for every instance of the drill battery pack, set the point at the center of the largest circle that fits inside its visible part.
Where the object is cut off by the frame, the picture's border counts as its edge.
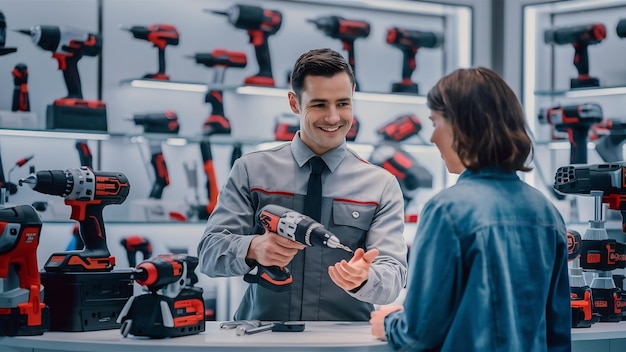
(76, 114)
(158, 316)
(84, 301)
(13, 322)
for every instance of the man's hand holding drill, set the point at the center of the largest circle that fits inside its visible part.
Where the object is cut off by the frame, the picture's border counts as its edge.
(351, 275)
(272, 249)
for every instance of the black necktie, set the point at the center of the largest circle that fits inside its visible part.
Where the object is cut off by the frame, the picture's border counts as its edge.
(313, 200)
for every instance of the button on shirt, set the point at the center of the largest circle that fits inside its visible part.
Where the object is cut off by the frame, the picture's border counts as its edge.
(488, 271)
(362, 205)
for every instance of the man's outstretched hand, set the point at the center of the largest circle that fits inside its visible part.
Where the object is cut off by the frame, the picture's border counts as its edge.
(352, 274)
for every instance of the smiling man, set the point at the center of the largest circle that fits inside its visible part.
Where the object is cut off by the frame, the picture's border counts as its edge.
(362, 205)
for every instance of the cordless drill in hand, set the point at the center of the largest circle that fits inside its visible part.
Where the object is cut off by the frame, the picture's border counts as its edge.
(575, 120)
(21, 309)
(347, 31)
(160, 35)
(580, 37)
(172, 307)
(296, 227)
(87, 192)
(261, 24)
(409, 41)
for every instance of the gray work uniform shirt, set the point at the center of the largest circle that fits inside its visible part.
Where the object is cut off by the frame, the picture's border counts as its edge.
(362, 205)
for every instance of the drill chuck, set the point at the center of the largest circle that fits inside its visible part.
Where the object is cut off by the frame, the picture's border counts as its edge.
(53, 182)
(621, 28)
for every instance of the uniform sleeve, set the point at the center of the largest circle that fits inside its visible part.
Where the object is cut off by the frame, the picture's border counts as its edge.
(387, 275)
(432, 292)
(225, 241)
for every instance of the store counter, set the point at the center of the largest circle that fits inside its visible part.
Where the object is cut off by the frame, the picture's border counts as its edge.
(317, 336)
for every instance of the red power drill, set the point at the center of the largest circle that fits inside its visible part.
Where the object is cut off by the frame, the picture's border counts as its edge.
(296, 227)
(161, 35)
(158, 122)
(580, 37)
(134, 244)
(173, 307)
(345, 30)
(21, 310)
(260, 24)
(68, 45)
(220, 60)
(21, 101)
(410, 174)
(575, 120)
(401, 128)
(409, 41)
(87, 192)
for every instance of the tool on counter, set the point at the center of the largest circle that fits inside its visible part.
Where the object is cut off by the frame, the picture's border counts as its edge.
(21, 309)
(21, 101)
(580, 292)
(261, 24)
(296, 227)
(609, 136)
(87, 192)
(409, 41)
(575, 121)
(136, 244)
(172, 307)
(246, 329)
(68, 45)
(233, 324)
(607, 184)
(3, 37)
(347, 31)
(580, 37)
(160, 35)
(219, 60)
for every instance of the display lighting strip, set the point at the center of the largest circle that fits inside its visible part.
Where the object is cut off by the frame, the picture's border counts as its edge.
(54, 134)
(168, 85)
(595, 92)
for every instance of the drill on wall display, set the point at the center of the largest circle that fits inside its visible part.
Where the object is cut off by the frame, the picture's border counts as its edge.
(347, 31)
(580, 37)
(409, 42)
(261, 24)
(21, 101)
(160, 35)
(609, 137)
(68, 45)
(575, 121)
(3, 37)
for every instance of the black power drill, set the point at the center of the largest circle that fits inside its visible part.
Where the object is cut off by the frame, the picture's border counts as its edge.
(172, 307)
(347, 31)
(158, 122)
(134, 244)
(575, 120)
(3, 37)
(296, 227)
(21, 309)
(409, 41)
(21, 101)
(580, 37)
(220, 60)
(261, 24)
(160, 35)
(609, 137)
(87, 192)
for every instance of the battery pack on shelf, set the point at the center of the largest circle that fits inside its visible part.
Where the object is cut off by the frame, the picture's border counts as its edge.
(20, 119)
(86, 301)
(77, 117)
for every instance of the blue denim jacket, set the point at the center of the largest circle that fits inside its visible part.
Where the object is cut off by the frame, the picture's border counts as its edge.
(487, 272)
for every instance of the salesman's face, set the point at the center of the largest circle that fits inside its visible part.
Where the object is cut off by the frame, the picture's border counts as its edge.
(325, 109)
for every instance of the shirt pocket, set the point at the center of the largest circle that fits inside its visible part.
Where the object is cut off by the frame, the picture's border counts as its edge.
(351, 222)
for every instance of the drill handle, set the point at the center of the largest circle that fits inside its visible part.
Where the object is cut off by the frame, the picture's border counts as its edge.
(161, 174)
(84, 153)
(71, 76)
(578, 144)
(215, 98)
(274, 278)
(408, 63)
(259, 39)
(581, 58)
(91, 226)
(161, 60)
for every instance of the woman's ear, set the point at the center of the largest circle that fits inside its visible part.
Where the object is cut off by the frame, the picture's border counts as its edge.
(293, 102)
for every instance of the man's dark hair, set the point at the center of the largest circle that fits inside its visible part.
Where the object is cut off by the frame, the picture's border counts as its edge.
(487, 119)
(318, 62)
